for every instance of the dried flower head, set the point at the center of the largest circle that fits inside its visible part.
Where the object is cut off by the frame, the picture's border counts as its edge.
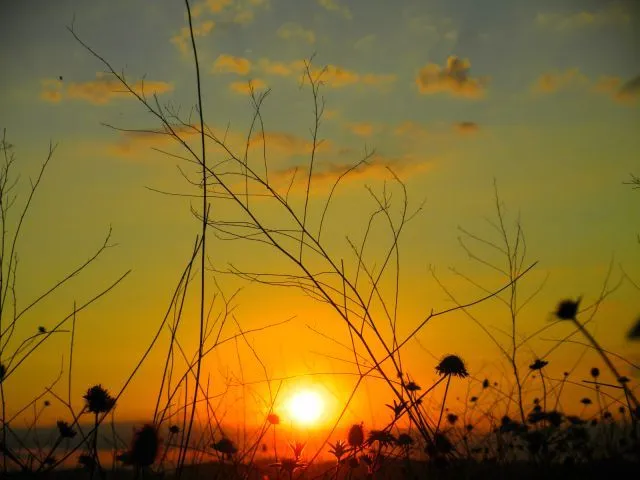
(65, 430)
(225, 446)
(144, 447)
(575, 420)
(355, 438)
(174, 429)
(297, 448)
(41, 329)
(338, 449)
(634, 331)
(485, 383)
(404, 440)
(47, 403)
(442, 444)
(98, 400)
(383, 437)
(87, 461)
(473, 399)
(288, 465)
(452, 418)
(273, 419)
(623, 379)
(568, 309)
(585, 401)
(555, 418)
(538, 364)
(397, 408)
(595, 372)
(412, 387)
(452, 365)
(3, 372)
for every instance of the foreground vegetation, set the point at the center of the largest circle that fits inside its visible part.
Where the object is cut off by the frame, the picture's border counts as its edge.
(503, 430)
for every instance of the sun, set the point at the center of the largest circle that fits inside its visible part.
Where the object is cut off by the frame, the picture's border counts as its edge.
(306, 406)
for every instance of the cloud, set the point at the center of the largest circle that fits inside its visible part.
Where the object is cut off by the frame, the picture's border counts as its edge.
(410, 129)
(230, 64)
(623, 92)
(326, 173)
(334, 76)
(244, 88)
(362, 129)
(217, 6)
(132, 144)
(227, 12)
(287, 144)
(295, 31)
(620, 91)
(331, 75)
(244, 16)
(330, 114)
(378, 79)
(630, 89)
(466, 128)
(183, 39)
(365, 43)
(453, 79)
(335, 6)
(613, 15)
(240, 12)
(281, 69)
(100, 91)
(432, 29)
(554, 81)
(51, 90)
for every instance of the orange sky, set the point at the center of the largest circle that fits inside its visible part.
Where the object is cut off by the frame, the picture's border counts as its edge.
(452, 95)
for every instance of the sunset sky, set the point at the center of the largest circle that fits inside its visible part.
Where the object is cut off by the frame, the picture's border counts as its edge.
(541, 96)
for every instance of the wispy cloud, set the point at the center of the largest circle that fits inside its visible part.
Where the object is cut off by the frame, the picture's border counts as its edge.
(362, 129)
(135, 144)
(431, 29)
(326, 173)
(553, 81)
(331, 75)
(230, 64)
(613, 14)
(286, 144)
(216, 6)
(336, 7)
(623, 92)
(183, 39)
(295, 31)
(466, 128)
(244, 88)
(281, 69)
(365, 43)
(100, 91)
(410, 129)
(453, 79)
(241, 12)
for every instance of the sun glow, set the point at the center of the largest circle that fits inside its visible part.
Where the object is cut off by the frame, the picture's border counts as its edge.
(306, 406)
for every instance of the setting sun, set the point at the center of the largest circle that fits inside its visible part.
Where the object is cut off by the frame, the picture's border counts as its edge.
(306, 406)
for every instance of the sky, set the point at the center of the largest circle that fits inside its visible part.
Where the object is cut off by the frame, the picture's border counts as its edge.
(541, 98)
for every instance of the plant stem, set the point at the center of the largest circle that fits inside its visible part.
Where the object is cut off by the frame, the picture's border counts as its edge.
(606, 359)
(444, 400)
